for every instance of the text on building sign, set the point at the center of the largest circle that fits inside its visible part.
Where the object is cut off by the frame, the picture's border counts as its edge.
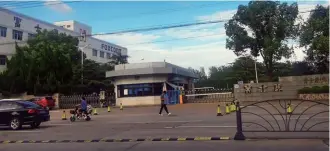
(316, 80)
(110, 48)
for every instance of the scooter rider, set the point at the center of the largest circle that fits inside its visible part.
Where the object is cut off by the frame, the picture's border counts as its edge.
(83, 106)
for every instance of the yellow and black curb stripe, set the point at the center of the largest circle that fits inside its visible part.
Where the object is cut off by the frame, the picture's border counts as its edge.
(117, 140)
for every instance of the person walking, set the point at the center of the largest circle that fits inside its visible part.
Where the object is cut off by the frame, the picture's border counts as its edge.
(163, 102)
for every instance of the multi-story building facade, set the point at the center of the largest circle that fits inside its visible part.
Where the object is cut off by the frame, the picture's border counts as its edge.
(18, 27)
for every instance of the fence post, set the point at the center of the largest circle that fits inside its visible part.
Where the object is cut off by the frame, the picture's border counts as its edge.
(239, 134)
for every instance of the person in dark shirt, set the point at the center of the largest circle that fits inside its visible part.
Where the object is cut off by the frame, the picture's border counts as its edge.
(83, 105)
(164, 102)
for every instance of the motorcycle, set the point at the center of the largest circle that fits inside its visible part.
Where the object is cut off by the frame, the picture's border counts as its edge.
(76, 114)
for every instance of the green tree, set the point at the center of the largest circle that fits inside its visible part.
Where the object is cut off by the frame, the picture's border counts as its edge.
(218, 76)
(243, 70)
(51, 62)
(315, 38)
(301, 68)
(263, 28)
(118, 59)
(45, 63)
(18, 68)
(201, 75)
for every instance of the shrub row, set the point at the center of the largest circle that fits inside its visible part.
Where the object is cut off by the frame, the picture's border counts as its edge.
(314, 89)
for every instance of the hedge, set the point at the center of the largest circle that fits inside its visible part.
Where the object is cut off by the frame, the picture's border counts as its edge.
(314, 90)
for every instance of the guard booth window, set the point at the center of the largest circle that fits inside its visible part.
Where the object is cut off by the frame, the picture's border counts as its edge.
(143, 89)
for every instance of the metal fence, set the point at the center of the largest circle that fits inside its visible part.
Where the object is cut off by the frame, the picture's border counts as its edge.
(284, 118)
(208, 91)
(71, 101)
(173, 96)
(208, 96)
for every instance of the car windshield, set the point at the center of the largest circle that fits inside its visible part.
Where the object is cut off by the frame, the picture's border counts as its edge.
(28, 104)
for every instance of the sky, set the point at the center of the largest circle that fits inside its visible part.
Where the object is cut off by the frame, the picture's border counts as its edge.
(195, 46)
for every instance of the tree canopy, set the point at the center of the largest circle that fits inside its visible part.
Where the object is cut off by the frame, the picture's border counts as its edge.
(263, 28)
(315, 38)
(242, 69)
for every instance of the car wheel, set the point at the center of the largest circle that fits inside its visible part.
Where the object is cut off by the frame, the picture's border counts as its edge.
(15, 123)
(35, 124)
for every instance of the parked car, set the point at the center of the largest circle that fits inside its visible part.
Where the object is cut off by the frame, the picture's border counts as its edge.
(17, 112)
(45, 101)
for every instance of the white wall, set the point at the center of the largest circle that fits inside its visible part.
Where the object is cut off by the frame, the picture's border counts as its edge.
(74, 26)
(28, 24)
(65, 24)
(136, 101)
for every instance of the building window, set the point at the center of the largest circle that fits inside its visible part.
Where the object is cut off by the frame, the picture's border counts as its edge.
(101, 54)
(3, 31)
(68, 26)
(3, 60)
(108, 55)
(94, 52)
(17, 35)
(17, 22)
(144, 89)
(31, 35)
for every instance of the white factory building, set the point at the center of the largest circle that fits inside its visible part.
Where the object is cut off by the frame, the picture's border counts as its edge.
(18, 27)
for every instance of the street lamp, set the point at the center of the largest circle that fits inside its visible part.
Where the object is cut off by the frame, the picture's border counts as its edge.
(82, 61)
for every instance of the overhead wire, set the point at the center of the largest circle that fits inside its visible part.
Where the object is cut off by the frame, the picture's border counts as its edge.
(174, 39)
(163, 11)
(19, 3)
(149, 42)
(151, 28)
(159, 27)
(41, 4)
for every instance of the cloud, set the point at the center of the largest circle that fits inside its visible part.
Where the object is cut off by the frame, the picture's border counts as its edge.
(206, 55)
(58, 5)
(221, 15)
(206, 32)
(202, 33)
(128, 38)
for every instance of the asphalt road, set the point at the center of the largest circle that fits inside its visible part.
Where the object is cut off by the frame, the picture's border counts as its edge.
(190, 120)
(270, 145)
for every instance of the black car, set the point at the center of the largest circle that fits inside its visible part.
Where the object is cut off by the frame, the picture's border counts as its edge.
(16, 112)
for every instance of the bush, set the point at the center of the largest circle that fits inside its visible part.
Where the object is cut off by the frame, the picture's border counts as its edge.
(304, 90)
(314, 90)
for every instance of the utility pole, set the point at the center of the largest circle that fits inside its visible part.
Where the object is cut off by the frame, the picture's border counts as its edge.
(255, 68)
(82, 62)
(82, 38)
